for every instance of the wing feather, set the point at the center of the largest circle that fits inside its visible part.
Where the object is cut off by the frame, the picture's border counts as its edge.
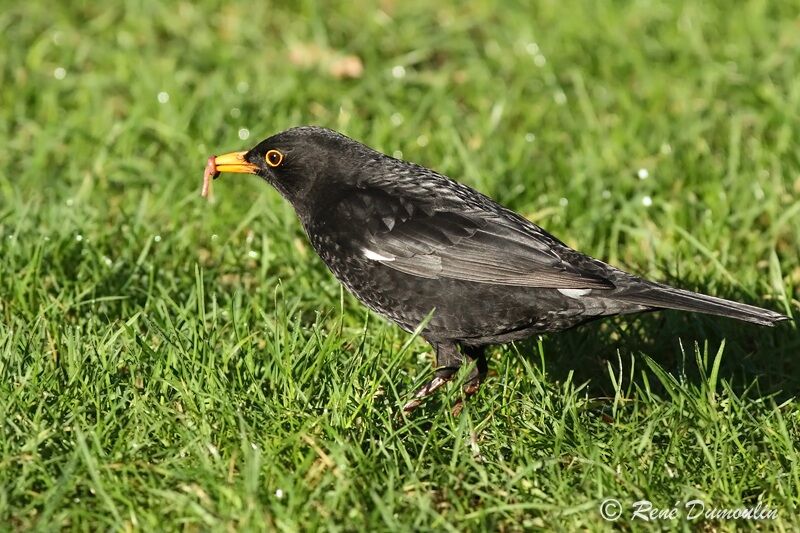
(461, 242)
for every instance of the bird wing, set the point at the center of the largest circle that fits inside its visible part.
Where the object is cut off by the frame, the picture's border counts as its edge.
(460, 241)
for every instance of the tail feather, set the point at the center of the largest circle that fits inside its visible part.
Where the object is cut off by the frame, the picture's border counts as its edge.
(666, 297)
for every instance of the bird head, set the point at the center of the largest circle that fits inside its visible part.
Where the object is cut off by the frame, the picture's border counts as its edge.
(302, 163)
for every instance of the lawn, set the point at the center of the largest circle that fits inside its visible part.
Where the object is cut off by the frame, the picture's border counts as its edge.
(168, 363)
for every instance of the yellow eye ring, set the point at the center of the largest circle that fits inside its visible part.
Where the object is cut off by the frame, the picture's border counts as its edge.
(274, 158)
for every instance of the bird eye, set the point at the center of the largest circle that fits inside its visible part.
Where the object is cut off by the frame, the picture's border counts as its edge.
(274, 158)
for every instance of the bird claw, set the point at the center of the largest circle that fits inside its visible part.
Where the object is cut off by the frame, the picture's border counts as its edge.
(424, 391)
(470, 389)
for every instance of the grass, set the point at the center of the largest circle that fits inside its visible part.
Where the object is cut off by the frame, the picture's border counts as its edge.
(168, 363)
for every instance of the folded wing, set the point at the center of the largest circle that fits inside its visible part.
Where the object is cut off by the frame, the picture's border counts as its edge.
(460, 241)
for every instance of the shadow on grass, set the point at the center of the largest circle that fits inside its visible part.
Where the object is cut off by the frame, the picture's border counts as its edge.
(766, 356)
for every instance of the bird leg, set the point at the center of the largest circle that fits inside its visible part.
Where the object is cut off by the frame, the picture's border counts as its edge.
(448, 361)
(475, 378)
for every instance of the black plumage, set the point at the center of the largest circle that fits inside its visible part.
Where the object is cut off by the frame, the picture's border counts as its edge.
(411, 243)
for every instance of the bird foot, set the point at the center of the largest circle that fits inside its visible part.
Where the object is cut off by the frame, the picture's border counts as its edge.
(448, 361)
(470, 389)
(425, 391)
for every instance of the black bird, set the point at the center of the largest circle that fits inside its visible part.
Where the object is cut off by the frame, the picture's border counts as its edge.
(413, 244)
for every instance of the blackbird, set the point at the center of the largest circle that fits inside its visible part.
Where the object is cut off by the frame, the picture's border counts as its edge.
(412, 244)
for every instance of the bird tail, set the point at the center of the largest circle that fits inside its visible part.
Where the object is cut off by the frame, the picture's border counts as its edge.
(666, 297)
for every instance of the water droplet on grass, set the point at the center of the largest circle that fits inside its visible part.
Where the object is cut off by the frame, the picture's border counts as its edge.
(398, 71)
(279, 494)
(60, 73)
(643, 174)
(647, 201)
(563, 202)
(422, 140)
(396, 119)
(397, 154)
(79, 237)
(157, 238)
(560, 97)
(252, 254)
(532, 48)
(163, 97)
(539, 60)
(606, 194)
(244, 133)
(242, 87)
(530, 137)
(235, 112)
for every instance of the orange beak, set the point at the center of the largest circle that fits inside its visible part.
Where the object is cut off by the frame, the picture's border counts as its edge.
(234, 162)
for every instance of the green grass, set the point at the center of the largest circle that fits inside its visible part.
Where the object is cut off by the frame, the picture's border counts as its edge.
(168, 363)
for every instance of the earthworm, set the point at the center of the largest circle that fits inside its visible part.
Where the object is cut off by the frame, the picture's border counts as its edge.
(209, 174)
